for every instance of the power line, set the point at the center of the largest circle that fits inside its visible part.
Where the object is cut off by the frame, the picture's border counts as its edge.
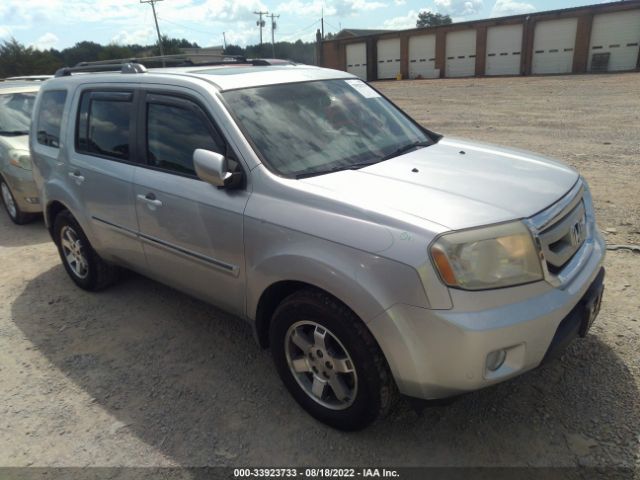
(330, 24)
(260, 23)
(155, 17)
(305, 29)
(185, 26)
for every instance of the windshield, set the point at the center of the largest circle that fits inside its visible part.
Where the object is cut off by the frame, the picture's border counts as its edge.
(15, 112)
(317, 127)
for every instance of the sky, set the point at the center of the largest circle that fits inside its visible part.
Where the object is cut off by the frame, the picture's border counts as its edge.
(59, 24)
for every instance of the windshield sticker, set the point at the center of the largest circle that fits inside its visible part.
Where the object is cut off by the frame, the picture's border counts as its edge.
(363, 89)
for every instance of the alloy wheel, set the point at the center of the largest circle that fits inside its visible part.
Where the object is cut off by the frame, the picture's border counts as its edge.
(321, 365)
(74, 252)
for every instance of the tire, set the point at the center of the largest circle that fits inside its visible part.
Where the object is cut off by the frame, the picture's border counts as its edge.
(80, 260)
(16, 215)
(316, 341)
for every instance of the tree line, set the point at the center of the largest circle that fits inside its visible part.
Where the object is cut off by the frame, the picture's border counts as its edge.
(16, 59)
(298, 51)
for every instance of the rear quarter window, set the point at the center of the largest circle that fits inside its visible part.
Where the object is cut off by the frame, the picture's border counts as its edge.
(50, 117)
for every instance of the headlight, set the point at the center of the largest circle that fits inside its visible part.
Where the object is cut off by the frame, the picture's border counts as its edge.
(20, 158)
(492, 257)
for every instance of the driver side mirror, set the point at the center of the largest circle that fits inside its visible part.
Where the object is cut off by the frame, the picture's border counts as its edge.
(212, 168)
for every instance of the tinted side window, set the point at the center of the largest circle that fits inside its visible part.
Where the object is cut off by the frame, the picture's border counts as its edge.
(50, 118)
(104, 120)
(173, 133)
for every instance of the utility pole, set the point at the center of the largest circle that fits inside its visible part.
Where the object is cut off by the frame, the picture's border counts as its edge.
(322, 22)
(260, 23)
(273, 27)
(224, 40)
(155, 17)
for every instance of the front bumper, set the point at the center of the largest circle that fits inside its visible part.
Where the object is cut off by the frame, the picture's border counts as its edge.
(440, 353)
(23, 187)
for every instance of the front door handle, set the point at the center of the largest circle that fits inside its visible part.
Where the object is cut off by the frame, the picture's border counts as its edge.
(77, 176)
(151, 200)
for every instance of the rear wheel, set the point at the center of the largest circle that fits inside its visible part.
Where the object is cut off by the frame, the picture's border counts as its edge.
(80, 260)
(16, 215)
(329, 361)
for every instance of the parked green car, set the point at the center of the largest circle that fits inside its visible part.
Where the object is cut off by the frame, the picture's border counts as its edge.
(19, 194)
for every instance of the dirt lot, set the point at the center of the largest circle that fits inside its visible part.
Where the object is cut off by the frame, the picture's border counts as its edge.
(143, 375)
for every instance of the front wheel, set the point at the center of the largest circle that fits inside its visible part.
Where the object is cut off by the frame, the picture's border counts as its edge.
(16, 215)
(329, 361)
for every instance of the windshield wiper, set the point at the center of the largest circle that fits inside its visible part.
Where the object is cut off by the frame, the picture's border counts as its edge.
(406, 148)
(9, 133)
(339, 168)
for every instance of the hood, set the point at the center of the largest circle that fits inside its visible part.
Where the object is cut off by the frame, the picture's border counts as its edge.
(457, 184)
(19, 142)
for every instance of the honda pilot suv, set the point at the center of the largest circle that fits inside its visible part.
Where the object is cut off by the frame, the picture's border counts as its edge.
(371, 255)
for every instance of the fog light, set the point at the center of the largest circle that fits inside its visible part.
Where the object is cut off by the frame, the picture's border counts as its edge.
(496, 359)
(32, 200)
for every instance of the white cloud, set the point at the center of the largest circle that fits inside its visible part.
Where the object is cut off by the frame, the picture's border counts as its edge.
(46, 41)
(460, 8)
(403, 22)
(340, 8)
(509, 7)
(203, 21)
(143, 36)
(400, 2)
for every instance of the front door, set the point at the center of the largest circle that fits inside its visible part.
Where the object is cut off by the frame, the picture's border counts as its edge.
(192, 232)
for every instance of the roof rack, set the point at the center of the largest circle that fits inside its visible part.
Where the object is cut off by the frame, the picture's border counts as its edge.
(139, 65)
(128, 67)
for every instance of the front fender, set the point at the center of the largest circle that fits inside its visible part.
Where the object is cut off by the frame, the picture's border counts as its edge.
(367, 283)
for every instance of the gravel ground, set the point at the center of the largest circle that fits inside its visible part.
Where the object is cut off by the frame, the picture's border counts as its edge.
(141, 375)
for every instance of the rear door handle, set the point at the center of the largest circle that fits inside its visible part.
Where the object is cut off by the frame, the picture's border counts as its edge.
(77, 176)
(151, 200)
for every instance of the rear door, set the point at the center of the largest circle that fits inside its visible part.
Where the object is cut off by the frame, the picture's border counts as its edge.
(101, 171)
(192, 232)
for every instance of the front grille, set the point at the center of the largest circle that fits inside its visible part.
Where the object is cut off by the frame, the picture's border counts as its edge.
(563, 236)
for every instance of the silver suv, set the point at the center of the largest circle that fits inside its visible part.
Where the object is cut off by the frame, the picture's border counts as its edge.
(371, 255)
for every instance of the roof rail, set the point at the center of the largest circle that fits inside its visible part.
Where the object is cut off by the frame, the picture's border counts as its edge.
(138, 65)
(128, 67)
(181, 59)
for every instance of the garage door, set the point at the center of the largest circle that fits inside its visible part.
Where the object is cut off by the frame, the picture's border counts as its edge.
(504, 45)
(461, 54)
(553, 45)
(618, 35)
(422, 57)
(357, 59)
(388, 58)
